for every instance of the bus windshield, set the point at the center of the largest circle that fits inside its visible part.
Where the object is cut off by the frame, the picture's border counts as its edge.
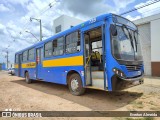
(125, 45)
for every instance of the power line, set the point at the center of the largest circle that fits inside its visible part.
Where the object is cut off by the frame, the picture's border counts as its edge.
(155, 10)
(134, 9)
(50, 5)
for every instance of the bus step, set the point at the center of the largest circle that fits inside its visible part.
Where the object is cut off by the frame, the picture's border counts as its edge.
(93, 87)
(99, 83)
(97, 75)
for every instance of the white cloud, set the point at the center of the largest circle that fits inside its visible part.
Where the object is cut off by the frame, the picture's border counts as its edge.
(3, 30)
(122, 3)
(2, 26)
(21, 2)
(3, 8)
(83, 9)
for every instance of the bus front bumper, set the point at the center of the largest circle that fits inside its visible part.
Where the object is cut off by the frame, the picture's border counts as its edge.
(122, 83)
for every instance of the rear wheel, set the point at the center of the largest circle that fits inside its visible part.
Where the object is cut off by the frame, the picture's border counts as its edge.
(28, 80)
(75, 85)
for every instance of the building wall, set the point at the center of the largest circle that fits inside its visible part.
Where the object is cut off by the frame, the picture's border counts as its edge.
(66, 22)
(155, 49)
(145, 40)
(57, 22)
(70, 21)
(150, 41)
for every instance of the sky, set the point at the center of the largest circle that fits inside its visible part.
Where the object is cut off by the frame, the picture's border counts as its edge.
(15, 18)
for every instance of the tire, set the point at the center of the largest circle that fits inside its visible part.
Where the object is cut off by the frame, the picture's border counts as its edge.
(28, 80)
(75, 85)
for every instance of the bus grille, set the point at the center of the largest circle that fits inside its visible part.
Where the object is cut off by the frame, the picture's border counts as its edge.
(133, 67)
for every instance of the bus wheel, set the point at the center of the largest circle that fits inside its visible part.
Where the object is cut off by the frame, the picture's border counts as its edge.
(75, 85)
(28, 80)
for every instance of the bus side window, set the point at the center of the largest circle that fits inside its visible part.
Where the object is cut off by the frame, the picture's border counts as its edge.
(25, 56)
(58, 46)
(73, 42)
(31, 54)
(48, 49)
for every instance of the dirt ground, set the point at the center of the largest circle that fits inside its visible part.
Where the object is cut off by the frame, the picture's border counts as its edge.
(43, 96)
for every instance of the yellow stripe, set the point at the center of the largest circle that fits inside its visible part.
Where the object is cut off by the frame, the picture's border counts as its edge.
(16, 66)
(70, 61)
(29, 65)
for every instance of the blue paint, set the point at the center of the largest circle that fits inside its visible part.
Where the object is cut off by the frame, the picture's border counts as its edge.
(59, 74)
(3, 66)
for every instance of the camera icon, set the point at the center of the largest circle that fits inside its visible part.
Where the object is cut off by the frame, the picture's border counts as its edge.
(6, 114)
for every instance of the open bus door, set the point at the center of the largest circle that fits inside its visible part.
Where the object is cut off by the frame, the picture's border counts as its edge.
(94, 57)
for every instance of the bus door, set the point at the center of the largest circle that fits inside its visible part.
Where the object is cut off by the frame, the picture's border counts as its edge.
(19, 64)
(94, 54)
(39, 60)
(87, 50)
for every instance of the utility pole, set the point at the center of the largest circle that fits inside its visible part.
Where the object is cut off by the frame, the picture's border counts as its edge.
(40, 30)
(7, 58)
(39, 20)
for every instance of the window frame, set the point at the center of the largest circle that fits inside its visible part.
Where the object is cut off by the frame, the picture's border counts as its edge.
(63, 46)
(45, 49)
(59, 27)
(33, 54)
(77, 41)
(27, 56)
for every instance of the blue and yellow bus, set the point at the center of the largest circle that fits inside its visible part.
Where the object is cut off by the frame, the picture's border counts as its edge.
(101, 53)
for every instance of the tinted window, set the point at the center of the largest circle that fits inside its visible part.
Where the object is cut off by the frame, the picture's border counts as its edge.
(25, 56)
(31, 54)
(58, 29)
(48, 49)
(73, 42)
(58, 46)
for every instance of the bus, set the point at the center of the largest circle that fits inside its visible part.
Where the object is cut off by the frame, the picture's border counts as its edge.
(102, 53)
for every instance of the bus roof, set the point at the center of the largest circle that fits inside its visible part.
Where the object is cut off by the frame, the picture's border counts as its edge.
(84, 24)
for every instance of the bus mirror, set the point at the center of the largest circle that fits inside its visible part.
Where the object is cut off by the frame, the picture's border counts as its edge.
(113, 30)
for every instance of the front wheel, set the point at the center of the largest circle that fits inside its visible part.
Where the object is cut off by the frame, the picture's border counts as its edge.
(75, 85)
(28, 80)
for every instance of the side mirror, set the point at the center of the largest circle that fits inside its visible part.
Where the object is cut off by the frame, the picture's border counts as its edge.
(113, 30)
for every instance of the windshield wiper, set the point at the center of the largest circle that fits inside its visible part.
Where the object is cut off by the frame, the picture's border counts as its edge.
(130, 36)
(135, 40)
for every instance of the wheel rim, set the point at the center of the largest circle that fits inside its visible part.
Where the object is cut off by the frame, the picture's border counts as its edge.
(74, 84)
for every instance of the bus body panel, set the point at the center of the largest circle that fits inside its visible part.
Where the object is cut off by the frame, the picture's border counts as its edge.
(53, 74)
(54, 70)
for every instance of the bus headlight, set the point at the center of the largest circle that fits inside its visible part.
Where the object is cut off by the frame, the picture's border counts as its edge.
(118, 72)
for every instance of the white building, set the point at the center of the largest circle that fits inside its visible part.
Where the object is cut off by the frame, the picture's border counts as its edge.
(149, 29)
(65, 22)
